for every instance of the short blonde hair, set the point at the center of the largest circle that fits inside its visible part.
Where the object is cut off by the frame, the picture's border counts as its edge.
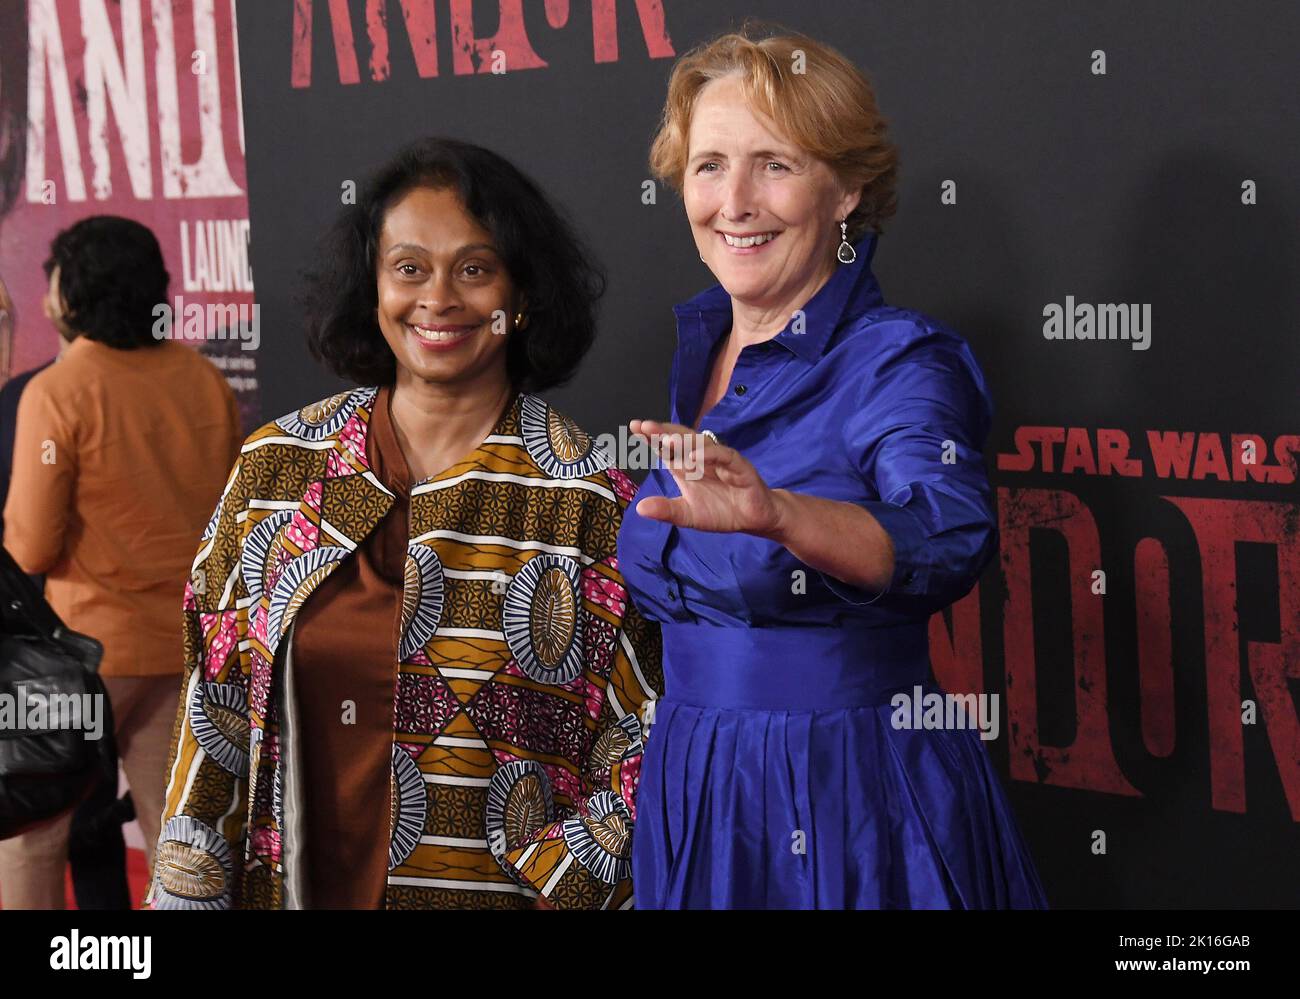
(828, 110)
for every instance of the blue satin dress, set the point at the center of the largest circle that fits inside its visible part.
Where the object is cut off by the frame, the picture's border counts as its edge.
(772, 775)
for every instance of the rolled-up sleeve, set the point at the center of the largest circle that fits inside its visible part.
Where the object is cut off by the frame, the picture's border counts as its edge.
(916, 437)
(43, 481)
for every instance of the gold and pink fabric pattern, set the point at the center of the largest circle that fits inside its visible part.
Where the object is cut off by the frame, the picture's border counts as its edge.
(525, 675)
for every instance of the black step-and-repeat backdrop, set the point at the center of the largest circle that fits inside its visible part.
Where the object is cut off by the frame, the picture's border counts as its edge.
(1065, 166)
(1061, 163)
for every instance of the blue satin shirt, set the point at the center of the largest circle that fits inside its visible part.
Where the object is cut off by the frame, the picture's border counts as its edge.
(778, 680)
(856, 401)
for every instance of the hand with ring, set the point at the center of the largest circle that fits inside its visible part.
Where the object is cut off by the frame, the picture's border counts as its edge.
(720, 490)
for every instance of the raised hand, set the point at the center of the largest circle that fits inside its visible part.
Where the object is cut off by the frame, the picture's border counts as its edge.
(720, 490)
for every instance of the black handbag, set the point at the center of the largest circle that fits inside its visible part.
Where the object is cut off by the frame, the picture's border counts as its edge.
(46, 769)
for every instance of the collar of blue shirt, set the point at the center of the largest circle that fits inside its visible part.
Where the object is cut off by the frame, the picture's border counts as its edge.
(851, 290)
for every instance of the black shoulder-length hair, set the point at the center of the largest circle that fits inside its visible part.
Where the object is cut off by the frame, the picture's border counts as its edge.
(546, 260)
(112, 276)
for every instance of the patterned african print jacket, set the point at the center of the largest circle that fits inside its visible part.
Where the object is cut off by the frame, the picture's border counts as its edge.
(523, 670)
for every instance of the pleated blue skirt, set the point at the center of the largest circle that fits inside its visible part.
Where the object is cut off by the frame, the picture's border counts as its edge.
(773, 777)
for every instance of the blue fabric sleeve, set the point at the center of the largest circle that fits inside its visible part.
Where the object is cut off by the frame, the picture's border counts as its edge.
(916, 436)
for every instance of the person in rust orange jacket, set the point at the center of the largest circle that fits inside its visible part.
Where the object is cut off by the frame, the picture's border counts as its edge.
(121, 448)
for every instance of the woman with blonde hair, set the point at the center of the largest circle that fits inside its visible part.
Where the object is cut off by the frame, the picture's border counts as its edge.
(843, 500)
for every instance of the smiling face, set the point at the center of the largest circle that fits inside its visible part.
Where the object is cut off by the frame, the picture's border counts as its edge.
(764, 213)
(446, 302)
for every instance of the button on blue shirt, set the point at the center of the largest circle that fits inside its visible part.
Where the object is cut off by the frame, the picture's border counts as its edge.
(854, 400)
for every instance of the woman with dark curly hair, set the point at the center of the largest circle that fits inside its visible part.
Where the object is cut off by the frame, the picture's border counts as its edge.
(413, 677)
(842, 501)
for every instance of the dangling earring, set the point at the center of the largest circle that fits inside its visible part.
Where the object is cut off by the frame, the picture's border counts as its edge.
(845, 254)
(520, 322)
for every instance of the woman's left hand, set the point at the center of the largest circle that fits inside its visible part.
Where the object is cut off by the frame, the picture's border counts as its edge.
(720, 490)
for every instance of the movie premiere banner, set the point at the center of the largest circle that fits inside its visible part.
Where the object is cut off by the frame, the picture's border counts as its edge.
(130, 108)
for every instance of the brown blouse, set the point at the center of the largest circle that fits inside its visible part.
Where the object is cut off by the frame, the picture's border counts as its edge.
(348, 770)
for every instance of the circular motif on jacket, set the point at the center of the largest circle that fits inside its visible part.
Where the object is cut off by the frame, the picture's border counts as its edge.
(218, 715)
(300, 577)
(408, 808)
(559, 446)
(602, 840)
(519, 804)
(325, 418)
(422, 596)
(263, 550)
(540, 618)
(193, 867)
(616, 743)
